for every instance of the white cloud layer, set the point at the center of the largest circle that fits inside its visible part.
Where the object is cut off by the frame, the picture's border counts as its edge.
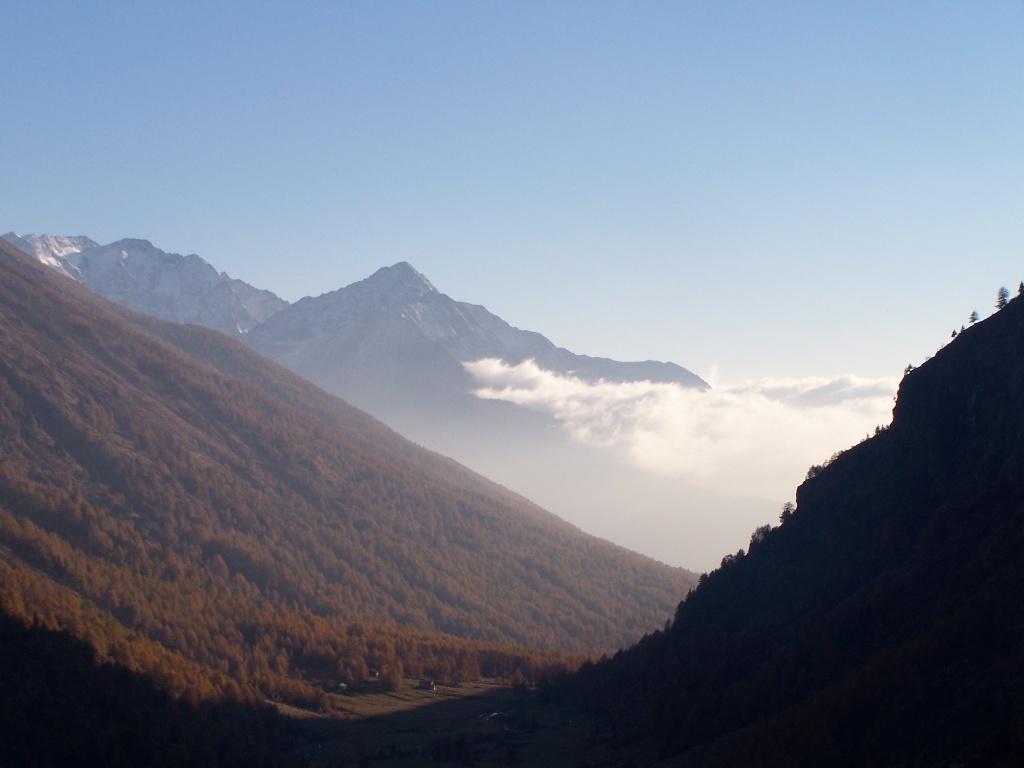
(753, 439)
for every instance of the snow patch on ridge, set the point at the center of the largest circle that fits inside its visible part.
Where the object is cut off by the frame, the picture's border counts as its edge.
(138, 275)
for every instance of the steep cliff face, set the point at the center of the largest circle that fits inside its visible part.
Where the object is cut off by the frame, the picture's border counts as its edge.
(957, 439)
(968, 400)
(883, 621)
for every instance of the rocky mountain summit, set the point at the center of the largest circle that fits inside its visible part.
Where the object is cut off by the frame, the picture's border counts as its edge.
(399, 306)
(140, 276)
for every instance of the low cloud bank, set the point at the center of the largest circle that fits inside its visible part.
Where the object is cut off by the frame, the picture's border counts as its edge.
(753, 439)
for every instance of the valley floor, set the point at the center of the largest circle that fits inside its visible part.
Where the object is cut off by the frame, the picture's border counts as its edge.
(475, 724)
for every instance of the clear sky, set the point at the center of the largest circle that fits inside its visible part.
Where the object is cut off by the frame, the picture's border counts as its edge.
(756, 191)
(765, 189)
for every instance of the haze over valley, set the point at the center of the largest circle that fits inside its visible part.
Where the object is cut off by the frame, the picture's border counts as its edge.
(646, 454)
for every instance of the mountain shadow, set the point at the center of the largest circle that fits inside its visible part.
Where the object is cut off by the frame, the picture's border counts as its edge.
(882, 623)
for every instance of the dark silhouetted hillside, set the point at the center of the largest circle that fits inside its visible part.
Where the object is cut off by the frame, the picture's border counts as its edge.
(60, 707)
(883, 622)
(236, 530)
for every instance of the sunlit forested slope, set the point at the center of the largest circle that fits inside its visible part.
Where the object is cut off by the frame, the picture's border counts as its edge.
(230, 528)
(882, 623)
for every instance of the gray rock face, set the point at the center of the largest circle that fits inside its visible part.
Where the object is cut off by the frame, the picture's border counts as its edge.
(137, 275)
(396, 312)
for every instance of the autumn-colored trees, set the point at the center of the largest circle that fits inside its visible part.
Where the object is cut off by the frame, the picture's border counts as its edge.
(245, 534)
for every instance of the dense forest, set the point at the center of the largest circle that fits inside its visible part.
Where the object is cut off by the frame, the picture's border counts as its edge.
(61, 707)
(235, 532)
(882, 623)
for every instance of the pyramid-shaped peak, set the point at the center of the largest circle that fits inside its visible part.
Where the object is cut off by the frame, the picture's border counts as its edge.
(398, 277)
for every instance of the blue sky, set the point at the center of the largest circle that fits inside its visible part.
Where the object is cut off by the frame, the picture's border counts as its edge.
(757, 189)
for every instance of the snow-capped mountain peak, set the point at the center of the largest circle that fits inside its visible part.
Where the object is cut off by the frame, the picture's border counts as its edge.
(398, 277)
(136, 274)
(53, 250)
(396, 314)
(399, 284)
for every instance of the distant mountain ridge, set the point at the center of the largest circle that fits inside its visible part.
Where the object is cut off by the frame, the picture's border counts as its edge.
(395, 346)
(398, 306)
(136, 274)
(187, 289)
